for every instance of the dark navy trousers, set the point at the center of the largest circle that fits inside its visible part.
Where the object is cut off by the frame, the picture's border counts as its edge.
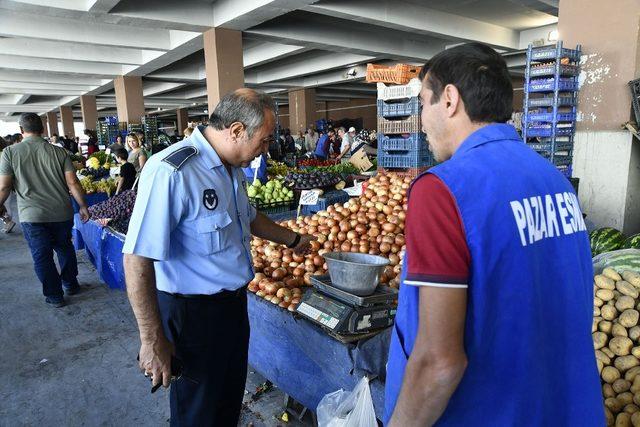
(211, 337)
(44, 238)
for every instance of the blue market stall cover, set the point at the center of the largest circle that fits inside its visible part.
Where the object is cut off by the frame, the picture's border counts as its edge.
(90, 200)
(296, 355)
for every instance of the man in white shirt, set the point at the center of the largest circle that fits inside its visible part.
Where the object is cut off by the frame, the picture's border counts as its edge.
(347, 141)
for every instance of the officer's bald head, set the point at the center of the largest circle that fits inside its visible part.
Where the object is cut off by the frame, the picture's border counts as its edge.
(247, 106)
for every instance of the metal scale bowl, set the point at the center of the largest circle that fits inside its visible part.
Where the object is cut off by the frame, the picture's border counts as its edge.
(348, 317)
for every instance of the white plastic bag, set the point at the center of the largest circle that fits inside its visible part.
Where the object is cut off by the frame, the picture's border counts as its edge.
(348, 409)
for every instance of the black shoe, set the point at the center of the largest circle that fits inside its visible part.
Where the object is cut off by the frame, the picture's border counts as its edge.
(55, 302)
(72, 290)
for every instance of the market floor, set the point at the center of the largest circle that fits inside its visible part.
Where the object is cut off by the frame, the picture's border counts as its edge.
(77, 365)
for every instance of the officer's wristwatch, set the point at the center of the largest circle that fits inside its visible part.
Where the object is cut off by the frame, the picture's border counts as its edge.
(295, 241)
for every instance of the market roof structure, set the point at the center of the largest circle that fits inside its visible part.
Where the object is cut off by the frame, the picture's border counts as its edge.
(53, 51)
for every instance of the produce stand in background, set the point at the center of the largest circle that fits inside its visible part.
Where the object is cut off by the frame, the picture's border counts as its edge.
(299, 357)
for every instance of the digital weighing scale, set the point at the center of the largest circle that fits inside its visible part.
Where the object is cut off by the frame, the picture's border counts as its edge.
(344, 313)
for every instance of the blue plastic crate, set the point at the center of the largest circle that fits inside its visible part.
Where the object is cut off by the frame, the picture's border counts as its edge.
(548, 85)
(550, 70)
(549, 52)
(545, 131)
(325, 201)
(406, 107)
(409, 159)
(414, 141)
(547, 101)
(548, 117)
(546, 146)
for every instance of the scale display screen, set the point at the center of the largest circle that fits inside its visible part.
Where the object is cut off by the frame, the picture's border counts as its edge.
(323, 310)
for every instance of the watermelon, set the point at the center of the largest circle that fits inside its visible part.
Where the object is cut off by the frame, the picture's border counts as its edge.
(624, 260)
(632, 242)
(605, 240)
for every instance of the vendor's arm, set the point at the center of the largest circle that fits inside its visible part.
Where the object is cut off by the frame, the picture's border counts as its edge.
(438, 263)
(437, 361)
(263, 227)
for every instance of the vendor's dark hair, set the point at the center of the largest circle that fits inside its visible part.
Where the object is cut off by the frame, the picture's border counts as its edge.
(121, 153)
(246, 106)
(481, 76)
(31, 122)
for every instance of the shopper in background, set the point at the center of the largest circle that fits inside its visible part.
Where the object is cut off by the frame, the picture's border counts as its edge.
(189, 238)
(17, 138)
(347, 142)
(496, 296)
(75, 147)
(311, 140)
(187, 132)
(92, 143)
(118, 145)
(300, 142)
(55, 140)
(137, 156)
(42, 176)
(289, 142)
(322, 148)
(127, 175)
(335, 143)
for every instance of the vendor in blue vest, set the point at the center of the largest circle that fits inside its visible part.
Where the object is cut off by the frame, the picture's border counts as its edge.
(496, 300)
(188, 260)
(322, 148)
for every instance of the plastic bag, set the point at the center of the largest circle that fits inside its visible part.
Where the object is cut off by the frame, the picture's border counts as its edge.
(623, 259)
(348, 409)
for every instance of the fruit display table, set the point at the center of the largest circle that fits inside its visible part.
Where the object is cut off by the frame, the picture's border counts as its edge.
(90, 199)
(294, 354)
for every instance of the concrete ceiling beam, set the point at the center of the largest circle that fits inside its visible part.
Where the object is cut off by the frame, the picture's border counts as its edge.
(417, 19)
(268, 52)
(306, 30)
(241, 15)
(315, 63)
(13, 62)
(43, 76)
(89, 30)
(68, 50)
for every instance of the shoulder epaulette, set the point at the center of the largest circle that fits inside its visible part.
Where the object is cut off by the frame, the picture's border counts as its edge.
(180, 157)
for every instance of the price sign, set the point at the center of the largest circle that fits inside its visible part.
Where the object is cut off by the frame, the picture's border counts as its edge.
(360, 160)
(255, 163)
(309, 197)
(108, 151)
(354, 191)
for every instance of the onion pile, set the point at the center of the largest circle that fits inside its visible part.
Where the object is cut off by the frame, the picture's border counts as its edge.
(372, 223)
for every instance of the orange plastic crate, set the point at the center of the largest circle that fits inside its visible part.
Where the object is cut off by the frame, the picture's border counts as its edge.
(399, 74)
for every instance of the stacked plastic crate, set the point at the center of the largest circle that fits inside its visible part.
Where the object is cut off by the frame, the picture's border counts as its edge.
(402, 146)
(550, 102)
(150, 129)
(107, 131)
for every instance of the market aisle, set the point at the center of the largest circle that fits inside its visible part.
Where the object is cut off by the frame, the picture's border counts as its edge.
(76, 365)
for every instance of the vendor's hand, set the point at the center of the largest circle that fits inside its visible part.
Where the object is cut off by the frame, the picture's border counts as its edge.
(304, 246)
(84, 214)
(155, 361)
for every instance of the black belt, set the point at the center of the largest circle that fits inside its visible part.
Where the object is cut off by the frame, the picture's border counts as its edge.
(224, 294)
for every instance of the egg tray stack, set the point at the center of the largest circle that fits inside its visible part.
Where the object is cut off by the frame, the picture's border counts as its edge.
(550, 102)
(402, 146)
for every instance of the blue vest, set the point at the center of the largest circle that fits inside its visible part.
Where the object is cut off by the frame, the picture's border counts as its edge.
(528, 340)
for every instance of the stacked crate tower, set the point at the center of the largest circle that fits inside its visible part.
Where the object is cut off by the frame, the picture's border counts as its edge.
(107, 131)
(402, 146)
(550, 102)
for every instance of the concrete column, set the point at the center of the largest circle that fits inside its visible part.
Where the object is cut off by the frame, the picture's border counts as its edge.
(89, 111)
(52, 119)
(606, 158)
(129, 98)
(183, 119)
(223, 63)
(66, 117)
(302, 109)
(45, 125)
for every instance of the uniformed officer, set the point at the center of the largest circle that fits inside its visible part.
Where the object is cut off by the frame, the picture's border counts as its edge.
(188, 261)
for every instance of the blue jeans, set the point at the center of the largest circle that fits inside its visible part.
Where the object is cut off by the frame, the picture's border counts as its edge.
(44, 238)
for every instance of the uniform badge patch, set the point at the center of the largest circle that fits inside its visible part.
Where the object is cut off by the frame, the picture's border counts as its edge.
(210, 199)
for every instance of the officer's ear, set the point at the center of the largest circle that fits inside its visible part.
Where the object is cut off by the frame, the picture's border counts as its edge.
(236, 130)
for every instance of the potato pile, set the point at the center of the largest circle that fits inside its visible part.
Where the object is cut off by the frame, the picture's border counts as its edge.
(616, 338)
(372, 223)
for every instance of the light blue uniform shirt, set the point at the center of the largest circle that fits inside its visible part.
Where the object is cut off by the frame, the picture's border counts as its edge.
(193, 218)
